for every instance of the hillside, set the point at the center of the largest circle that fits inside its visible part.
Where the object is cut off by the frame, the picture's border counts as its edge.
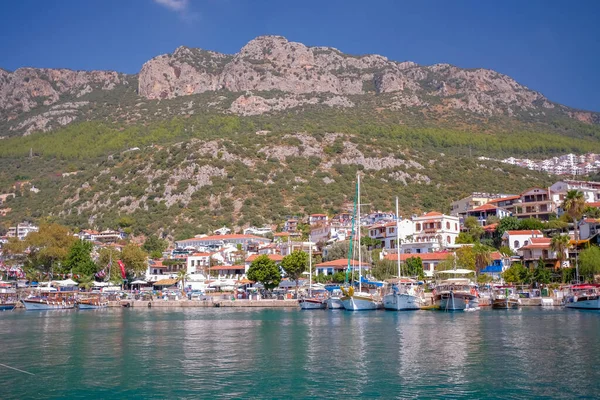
(200, 139)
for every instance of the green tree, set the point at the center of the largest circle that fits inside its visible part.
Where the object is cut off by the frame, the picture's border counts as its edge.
(573, 205)
(86, 282)
(517, 273)
(384, 269)
(530, 224)
(483, 256)
(154, 244)
(182, 276)
(465, 238)
(79, 259)
(473, 228)
(414, 267)
(265, 271)
(592, 212)
(135, 259)
(48, 246)
(507, 224)
(560, 244)
(589, 262)
(294, 264)
(541, 274)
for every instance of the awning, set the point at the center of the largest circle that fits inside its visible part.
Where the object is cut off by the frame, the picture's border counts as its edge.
(456, 271)
(166, 282)
(139, 282)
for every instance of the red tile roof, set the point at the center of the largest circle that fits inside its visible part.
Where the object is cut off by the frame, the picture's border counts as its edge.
(274, 257)
(227, 267)
(341, 262)
(433, 214)
(485, 207)
(538, 243)
(525, 232)
(223, 237)
(499, 199)
(593, 204)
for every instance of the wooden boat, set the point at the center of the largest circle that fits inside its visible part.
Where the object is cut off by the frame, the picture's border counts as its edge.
(50, 301)
(92, 303)
(505, 298)
(456, 294)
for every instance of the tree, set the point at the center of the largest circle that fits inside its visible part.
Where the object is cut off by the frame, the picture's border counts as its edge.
(134, 258)
(530, 224)
(49, 245)
(473, 228)
(414, 267)
(574, 204)
(517, 273)
(589, 262)
(541, 274)
(592, 212)
(369, 242)
(79, 260)
(294, 264)
(465, 238)
(86, 281)
(483, 257)
(507, 224)
(182, 276)
(154, 244)
(265, 271)
(384, 269)
(340, 250)
(560, 244)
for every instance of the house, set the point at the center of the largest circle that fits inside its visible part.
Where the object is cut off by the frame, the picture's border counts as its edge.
(459, 208)
(499, 264)
(228, 271)
(538, 249)
(535, 203)
(507, 203)
(379, 216)
(482, 213)
(265, 230)
(218, 241)
(433, 232)
(319, 233)
(222, 231)
(159, 269)
(429, 260)
(291, 225)
(339, 265)
(315, 219)
(197, 262)
(21, 230)
(518, 238)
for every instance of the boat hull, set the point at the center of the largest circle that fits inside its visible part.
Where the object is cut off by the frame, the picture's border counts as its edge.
(585, 304)
(505, 304)
(359, 303)
(7, 307)
(311, 304)
(335, 304)
(401, 302)
(41, 306)
(457, 302)
(84, 306)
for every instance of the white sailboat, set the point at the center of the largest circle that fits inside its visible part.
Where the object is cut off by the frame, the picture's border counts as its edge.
(310, 302)
(358, 301)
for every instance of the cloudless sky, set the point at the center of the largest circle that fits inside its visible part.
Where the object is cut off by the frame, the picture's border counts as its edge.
(550, 46)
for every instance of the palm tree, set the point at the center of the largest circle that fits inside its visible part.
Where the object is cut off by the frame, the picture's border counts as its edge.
(573, 205)
(86, 282)
(181, 277)
(559, 244)
(483, 257)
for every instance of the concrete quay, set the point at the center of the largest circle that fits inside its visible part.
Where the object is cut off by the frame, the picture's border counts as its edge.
(204, 303)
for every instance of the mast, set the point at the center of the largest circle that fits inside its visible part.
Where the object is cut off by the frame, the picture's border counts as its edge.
(358, 235)
(398, 241)
(310, 268)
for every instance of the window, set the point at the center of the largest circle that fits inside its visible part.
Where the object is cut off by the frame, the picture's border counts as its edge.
(447, 225)
(526, 243)
(516, 244)
(455, 226)
(448, 239)
(418, 227)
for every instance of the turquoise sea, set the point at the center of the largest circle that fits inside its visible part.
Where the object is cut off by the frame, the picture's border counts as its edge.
(275, 353)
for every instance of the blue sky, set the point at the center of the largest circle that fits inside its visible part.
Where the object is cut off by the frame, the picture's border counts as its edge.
(550, 46)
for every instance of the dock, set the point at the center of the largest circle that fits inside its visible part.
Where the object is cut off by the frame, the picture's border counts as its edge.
(267, 303)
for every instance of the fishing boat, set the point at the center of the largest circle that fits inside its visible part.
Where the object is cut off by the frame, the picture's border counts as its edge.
(311, 302)
(505, 298)
(351, 300)
(584, 296)
(91, 302)
(404, 294)
(456, 294)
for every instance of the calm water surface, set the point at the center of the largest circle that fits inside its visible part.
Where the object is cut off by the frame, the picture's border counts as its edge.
(231, 353)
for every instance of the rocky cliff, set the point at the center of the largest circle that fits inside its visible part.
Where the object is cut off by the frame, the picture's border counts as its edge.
(270, 63)
(269, 74)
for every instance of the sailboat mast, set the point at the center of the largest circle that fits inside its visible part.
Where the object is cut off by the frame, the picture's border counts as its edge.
(358, 236)
(398, 240)
(310, 268)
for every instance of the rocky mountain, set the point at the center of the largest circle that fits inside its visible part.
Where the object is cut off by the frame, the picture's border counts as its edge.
(269, 74)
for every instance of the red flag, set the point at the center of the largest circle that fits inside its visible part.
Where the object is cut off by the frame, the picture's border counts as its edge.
(122, 268)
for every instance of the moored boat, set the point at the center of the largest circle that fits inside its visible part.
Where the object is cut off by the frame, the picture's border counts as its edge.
(358, 301)
(91, 303)
(403, 297)
(505, 298)
(456, 294)
(311, 302)
(51, 301)
(8, 300)
(334, 301)
(584, 297)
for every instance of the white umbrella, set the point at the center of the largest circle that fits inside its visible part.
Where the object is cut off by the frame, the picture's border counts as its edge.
(456, 271)
(67, 282)
(139, 282)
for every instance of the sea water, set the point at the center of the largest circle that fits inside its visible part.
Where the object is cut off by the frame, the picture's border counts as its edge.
(286, 353)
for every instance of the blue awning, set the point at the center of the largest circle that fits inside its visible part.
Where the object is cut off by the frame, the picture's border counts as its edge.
(492, 269)
(367, 282)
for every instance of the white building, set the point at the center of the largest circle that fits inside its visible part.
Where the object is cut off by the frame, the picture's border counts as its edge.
(21, 230)
(517, 239)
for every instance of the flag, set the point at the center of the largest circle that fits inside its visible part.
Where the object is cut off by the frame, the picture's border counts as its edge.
(123, 275)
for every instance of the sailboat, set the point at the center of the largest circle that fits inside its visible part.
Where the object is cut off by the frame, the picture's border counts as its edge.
(310, 302)
(404, 295)
(357, 301)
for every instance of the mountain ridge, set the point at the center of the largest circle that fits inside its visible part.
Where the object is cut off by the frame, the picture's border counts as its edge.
(294, 75)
